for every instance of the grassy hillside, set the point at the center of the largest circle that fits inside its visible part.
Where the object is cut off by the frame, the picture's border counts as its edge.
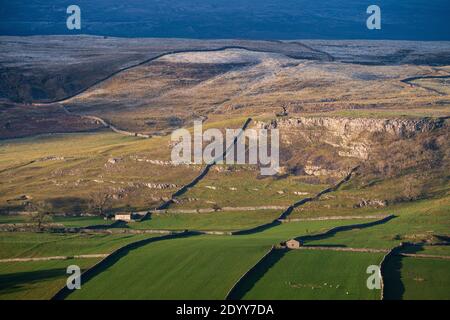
(31, 245)
(364, 133)
(37, 280)
(221, 220)
(414, 222)
(198, 267)
(316, 275)
(424, 279)
(79, 164)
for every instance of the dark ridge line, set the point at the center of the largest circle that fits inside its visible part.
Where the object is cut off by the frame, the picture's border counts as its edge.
(107, 124)
(332, 232)
(104, 123)
(163, 55)
(236, 291)
(114, 257)
(202, 174)
(115, 224)
(410, 82)
(18, 166)
(291, 208)
(257, 229)
(329, 56)
(34, 135)
(406, 80)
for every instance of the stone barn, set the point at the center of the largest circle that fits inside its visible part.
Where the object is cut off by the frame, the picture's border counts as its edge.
(123, 216)
(293, 244)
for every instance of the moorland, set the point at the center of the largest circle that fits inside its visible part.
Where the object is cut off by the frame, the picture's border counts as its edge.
(364, 179)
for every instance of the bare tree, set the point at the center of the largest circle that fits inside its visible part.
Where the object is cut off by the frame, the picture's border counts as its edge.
(100, 203)
(40, 213)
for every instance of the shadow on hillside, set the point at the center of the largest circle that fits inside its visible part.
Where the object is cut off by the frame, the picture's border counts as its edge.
(116, 224)
(392, 273)
(257, 229)
(255, 274)
(116, 256)
(332, 232)
(16, 282)
(73, 205)
(247, 282)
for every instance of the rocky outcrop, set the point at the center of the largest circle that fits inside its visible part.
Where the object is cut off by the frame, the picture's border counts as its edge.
(371, 203)
(345, 126)
(52, 158)
(353, 136)
(114, 160)
(163, 163)
(318, 171)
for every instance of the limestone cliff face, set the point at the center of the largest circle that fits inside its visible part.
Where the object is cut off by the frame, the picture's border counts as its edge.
(344, 126)
(354, 137)
(319, 171)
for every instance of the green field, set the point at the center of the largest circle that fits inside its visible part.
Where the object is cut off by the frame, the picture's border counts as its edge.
(5, 219)
(190, 268)
(414, 222)
(31, 245)
(70, 222)
(42, 279)
(243, 187)
(36, 280)
(417, 278)
(220, 221)
(198, 267)
(305, 274)
(425, 279)
(80, 222)
(363, 135)
(434, 250)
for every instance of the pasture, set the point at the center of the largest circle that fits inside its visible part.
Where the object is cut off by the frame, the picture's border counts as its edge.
(313, 275)
(32, 245)
(425, 279)
(414, 222)
(65, 169)
(196, 267)
(220, 220)
(36, 280)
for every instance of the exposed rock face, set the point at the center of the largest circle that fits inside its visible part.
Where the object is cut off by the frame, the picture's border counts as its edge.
(114, 160)
(156, 162)
(343, 126)
(318, 171)
(52, 158)
(371, 203)
(353, 136)
(161, 185)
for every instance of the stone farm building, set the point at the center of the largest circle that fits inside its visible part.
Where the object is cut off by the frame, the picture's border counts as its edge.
(293, 244)
(123, 216)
